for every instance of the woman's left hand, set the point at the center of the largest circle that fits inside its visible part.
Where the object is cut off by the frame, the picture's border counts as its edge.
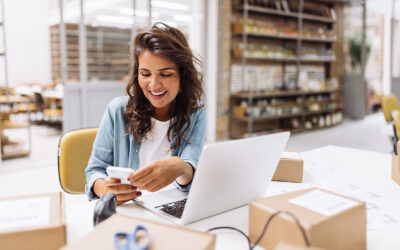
(161, 173)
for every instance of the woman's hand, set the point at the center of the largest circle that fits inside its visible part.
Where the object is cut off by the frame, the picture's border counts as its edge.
(161, 173)
(123, 192)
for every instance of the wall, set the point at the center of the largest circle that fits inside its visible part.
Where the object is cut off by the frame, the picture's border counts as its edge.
(384, 8)
(27, 41)
(86, 112)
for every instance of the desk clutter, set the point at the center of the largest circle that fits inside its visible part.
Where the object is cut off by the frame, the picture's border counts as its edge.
(33, 222)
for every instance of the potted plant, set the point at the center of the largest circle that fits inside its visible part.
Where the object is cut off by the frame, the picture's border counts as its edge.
(354, 89)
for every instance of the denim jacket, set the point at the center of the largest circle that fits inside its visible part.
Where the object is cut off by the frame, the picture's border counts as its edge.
(112, 147)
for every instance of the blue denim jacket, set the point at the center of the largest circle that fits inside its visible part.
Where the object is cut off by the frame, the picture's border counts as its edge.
(112, 147)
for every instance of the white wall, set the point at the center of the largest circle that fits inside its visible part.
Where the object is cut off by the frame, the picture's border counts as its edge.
(27, 41)
(384, 7)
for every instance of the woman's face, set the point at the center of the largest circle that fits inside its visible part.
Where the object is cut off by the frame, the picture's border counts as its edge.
(159, 79)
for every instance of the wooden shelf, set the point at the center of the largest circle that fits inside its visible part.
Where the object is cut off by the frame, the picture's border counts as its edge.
(21, 153)
(320, 111)
(9, 124)
(275, 117)
(108, 51)
(270, 11)
(266, 118)
(297, 130)
(280, 93)
(271, 59)
(273, 55)
(286, 37)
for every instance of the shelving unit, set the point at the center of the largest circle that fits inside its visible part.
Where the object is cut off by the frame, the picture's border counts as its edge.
(282, 67)
(107, 52)
(8, 106)
(9, 147)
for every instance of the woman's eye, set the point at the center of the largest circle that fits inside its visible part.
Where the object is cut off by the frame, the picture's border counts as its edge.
(165, 75)
(144, 74)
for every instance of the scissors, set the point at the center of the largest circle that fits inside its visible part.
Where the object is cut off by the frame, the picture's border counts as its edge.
(126, 241)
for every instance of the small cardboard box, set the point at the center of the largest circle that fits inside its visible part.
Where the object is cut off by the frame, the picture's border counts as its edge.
(290, 168)
(32, 222)
(396, 166)
(162, 236)
(330, 220)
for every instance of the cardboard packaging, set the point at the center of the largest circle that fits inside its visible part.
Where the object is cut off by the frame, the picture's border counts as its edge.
(162, 236)
(396, 166)
(33, 222)
(285, 246)
(330, 220)
(290, 168)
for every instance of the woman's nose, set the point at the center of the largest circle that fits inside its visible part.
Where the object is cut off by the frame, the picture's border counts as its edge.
(154, 82)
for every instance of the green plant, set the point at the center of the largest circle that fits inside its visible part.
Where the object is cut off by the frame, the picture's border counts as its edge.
(355, 47)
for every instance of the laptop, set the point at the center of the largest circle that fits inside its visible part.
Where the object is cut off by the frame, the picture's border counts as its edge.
(229, 175)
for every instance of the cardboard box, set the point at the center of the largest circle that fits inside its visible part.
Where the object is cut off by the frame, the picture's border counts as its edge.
(314, 208)
(396, 165)
(162, 236)
(395, 169)
(285, 246)
(290, 168)
(33, 222)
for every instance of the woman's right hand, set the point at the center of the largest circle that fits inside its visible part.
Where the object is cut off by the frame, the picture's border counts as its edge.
(123, 192)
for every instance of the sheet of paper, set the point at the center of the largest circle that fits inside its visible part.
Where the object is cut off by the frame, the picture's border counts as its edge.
(323, 202)
(344, 177)
(382, 211)
(24, 213)
(290, 155)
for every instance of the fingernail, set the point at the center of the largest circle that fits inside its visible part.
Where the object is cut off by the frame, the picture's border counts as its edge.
(138, 193)
(129, 179)
(133, 188)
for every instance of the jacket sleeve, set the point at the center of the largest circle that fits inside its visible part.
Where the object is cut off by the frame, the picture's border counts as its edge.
(102, 152)
(191, 152)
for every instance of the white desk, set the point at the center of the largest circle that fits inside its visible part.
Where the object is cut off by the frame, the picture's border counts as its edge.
(327, 167)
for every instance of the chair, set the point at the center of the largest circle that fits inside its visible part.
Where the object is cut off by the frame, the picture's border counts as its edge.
(52, 114)
(395, 117)
(74, 150)
(389, 103)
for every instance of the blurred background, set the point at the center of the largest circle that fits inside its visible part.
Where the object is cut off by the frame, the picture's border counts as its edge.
(318, 68)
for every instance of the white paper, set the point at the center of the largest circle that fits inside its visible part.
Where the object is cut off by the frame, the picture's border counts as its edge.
(24, 213)
(323, 202)
(357, 181)
(290, 155)
(382, 211)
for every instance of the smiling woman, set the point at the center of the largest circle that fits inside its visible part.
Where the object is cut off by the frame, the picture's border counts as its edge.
(159, 128)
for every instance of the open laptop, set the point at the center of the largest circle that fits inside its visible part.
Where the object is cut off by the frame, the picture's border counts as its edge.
(229, 175)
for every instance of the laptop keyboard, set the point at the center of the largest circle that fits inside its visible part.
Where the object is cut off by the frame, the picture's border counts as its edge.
(173, 208)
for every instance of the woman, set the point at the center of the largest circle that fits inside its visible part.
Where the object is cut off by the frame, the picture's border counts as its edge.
(159, 128)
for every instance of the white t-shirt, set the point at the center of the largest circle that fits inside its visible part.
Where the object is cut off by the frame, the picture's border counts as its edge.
(155, 145)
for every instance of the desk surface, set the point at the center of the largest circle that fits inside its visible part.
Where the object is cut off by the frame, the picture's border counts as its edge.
(362, 174)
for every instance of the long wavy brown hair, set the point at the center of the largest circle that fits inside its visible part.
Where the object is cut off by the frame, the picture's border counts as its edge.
(169, 43)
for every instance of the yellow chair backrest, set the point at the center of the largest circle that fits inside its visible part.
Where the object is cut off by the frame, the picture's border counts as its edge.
(74, 150)
(389, 103)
